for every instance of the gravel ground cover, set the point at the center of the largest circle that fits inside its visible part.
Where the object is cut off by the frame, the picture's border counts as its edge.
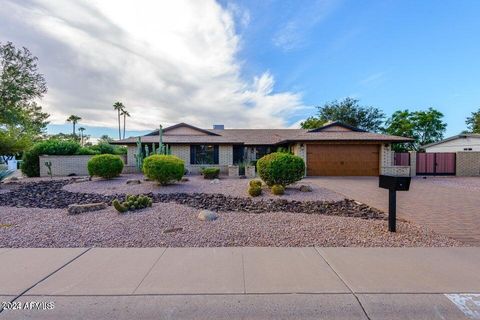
(175, 225)
(234, 187)
(51, 194)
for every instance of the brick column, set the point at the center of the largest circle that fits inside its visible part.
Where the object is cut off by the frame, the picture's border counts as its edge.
(413, 163)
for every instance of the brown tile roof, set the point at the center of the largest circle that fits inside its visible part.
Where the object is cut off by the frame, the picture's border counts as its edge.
(267, 137)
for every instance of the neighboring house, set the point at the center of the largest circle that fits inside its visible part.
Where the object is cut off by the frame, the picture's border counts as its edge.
(461, 142)
(335, 149)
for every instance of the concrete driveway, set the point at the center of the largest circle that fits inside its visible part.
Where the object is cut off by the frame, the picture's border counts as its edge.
(447, 205)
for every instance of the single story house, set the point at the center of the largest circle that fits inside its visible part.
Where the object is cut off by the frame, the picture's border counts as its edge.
(460, 142)
(335, 149)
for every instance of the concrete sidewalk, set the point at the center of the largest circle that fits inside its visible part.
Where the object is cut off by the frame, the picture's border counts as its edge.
(242, 283)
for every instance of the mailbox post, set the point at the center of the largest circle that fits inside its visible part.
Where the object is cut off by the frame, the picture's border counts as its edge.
(393, 184)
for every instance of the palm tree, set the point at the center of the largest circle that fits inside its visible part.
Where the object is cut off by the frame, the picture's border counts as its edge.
(125, 114)
(74, 120)
(81, 129)
(119, 107)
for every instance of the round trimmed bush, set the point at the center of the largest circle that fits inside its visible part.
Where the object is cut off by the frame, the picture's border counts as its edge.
(105, 165)
(278, 189)
(280, 168)
(164, 169)
(255, 183)
(210, 173)
(255, 191)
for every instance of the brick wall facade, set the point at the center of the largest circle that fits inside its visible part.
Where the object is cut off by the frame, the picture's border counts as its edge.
(468, 163)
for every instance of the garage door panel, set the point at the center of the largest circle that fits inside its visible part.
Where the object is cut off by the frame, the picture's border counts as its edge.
(342, 160)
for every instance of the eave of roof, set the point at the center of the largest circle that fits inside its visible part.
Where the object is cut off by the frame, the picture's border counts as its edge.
(462, 135)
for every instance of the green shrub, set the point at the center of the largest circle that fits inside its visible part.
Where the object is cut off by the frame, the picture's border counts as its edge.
(105, 165)
(211, 173)
(30, 163)
(280, 168)
(254, 191)
(87, 151)
(164, 169)
(278, 189)
(255, 183)
(132, 202)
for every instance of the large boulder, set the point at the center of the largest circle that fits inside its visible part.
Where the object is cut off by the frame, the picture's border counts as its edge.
(74, 209)
(207, 215)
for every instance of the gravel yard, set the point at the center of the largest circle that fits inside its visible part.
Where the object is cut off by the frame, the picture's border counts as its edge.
(234, 187)
(34, 227)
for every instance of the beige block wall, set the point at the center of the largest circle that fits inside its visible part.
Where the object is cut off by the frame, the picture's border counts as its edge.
(67, 165)
(64, 165)
(468, 164)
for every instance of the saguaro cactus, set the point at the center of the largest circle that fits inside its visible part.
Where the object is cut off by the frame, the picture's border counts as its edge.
(139, 155)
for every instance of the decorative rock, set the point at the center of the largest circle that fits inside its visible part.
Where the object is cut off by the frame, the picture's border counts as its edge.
(184, 179)
(207, 215)
(133, 181)
(84, 179)
(305, 188)
(215, 181)
(170, 230)
(80, 208)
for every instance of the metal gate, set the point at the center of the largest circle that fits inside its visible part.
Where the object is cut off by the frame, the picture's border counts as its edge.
(401, 159)
(438, 163)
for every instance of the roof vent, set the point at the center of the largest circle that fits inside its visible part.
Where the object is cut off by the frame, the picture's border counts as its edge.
(218, 127)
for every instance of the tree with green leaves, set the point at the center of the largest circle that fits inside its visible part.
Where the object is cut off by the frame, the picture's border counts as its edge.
(74, 120)
(125, 114)
(22, 120)
(349, 112)
(473, 122)
(105, 139)
(119, 107)
(423, 126)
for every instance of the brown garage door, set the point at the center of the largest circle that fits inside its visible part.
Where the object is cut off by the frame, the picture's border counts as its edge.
(342, 160)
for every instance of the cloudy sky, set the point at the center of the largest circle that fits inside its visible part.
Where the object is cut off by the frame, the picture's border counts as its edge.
(246, 63)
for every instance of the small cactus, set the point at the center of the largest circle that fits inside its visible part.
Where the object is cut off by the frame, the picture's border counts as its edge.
(255, 191)
(119, 207)
(132, 202)
(278, 189)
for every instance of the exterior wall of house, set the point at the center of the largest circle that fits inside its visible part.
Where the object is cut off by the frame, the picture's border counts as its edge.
(184, 131)
(225, 158)
(468, 164)
(456, 145)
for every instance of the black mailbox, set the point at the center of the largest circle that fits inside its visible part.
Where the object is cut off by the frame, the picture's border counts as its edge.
(394, 183)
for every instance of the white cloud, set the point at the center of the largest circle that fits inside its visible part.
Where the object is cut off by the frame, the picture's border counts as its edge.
(294, 32)
(167, 61)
